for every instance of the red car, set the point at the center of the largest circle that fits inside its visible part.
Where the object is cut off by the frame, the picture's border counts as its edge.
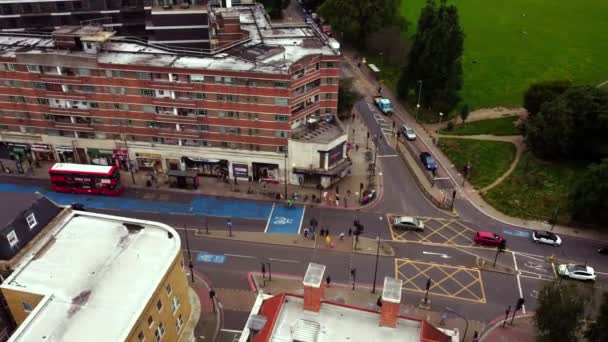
(488, 239)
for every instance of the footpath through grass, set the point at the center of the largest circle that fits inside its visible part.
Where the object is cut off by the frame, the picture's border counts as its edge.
(489, 159)
(510, 44)
(500, 126)
(535, 189)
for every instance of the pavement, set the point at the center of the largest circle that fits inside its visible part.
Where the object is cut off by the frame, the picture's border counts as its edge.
(522, 330)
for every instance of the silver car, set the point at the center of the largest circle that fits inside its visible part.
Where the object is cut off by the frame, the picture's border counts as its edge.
(408, 133)
(546, 237)
(408, 223)
(578, 272)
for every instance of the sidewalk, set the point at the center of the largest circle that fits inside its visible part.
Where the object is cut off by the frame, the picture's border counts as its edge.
(210, 186)
(361, 297)
(365, 245)
(522, 330)
(205, 323)
(467, 191)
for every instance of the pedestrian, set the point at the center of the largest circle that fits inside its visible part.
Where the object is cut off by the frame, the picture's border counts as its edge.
(380, 91)
(327, 231)
(359, 65)
(350, 232)
(476, 336)
(328, 280)
(356, 147)
(353, 119)
(341, 236)
(328, 240)
(322, 232)
(306, 232)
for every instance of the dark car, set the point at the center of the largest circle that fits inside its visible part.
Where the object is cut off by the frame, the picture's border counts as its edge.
(428, 161)
(603, 250)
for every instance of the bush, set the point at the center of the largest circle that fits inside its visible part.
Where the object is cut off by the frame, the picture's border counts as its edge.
(450, 126)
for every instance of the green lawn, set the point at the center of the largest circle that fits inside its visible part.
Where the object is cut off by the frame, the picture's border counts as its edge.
(535, 189)
(489, 159)
(389, 73)
(499, 126)
(510, 44)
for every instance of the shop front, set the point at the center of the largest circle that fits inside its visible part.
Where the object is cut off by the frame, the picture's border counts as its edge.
(207, 167)
(324, 178)
(264, 172)
(335, 155)
(149, 161)
(17, 151)
(101, 157)
(121, 159)
(240, 170)
(43, 153)
(65, 153)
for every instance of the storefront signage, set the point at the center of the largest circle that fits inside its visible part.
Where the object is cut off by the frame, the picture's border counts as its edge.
(18, 145)
(41, 148)
(120, 153)
(203, 160)
(64, 148)
(240, 170)
(148, 155)
(336, 153)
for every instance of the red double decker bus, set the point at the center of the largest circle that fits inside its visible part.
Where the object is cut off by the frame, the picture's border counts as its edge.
(86, 179)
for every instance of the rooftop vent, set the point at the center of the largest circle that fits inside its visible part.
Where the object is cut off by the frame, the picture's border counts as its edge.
(392, 290)
(314, 275)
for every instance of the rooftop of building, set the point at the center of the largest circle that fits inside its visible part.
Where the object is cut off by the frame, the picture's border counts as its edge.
(96, 274)
(319, 130)
(13, 205)
(288, 321)
(269, 48)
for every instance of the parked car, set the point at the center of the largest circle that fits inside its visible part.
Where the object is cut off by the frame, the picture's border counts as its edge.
(546, 237)
(488, 239)
(408, 223)
(603, 250)
(408, 133)
(428, 161)
(578, 272)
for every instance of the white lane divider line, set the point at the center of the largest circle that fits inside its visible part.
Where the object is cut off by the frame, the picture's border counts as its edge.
(269, 218)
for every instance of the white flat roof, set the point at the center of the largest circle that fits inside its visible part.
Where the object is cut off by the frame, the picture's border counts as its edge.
(338, 323)
(96, 277)
(81, 167)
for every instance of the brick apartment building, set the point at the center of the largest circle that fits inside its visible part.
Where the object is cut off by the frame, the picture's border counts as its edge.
(177, 22)
(256, 106)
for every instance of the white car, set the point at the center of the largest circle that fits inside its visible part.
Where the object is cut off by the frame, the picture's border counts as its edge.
(408, 132)
(546, 237)
(578, 272)
(408, 223)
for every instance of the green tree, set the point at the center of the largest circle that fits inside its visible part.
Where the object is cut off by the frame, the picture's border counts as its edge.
(435, 58)
(559, 312)
(347, 98)
(463, 112)
(598, 330)
(572, 126)
(312, 4)
(589, 197)
(356, 19)
(541, 92)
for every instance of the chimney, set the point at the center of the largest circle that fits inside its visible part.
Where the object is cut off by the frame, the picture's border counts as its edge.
(391, 298)
(313, 291)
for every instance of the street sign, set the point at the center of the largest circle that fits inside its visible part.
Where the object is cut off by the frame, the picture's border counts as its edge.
(210, 258)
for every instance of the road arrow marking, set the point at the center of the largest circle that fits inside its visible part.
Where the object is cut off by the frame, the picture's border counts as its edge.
(445, 256)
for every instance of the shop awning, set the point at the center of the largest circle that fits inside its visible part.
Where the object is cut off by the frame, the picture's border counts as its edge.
(334, 171)
(95, 152)
(178, 173)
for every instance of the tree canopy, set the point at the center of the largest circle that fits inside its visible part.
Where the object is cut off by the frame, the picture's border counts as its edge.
(571, 126)
(435, 58)
(598, 330)
(589, 198)
(356, 19)
(347, 98)
(541, 92)
(559, 312)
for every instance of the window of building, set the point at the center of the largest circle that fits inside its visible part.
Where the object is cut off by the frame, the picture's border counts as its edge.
(116, 73)
(280, 134)
(329, 80)
(87, 89)
(199, 96)
(197, 78)
(317, 66)
(201, 112)
(84, 72)
(330, 64)
(150, 321)
(27, 307)
(175, 303)
(31, 220)
(33, 68)
(280, 84)
(98, 120)
(179, 323)
(160, 332)
(159, 305)
(116, 106)
(118, 90)
(144, 76)
(42, 101)
(328, 111)
(39, 85)
(168, 289)
(329, 96)
(282, 149)
(94, 105)
(281, 101)
(9, 66)
(283, 118)
(149, 109)
(153, 124)
(232, 98)
(141, 337)
(147, 92)
(12, 238)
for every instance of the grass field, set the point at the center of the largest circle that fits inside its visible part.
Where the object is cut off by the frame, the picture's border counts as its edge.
(499, 126)
(510, 44)
(535, 189)
(489, 159)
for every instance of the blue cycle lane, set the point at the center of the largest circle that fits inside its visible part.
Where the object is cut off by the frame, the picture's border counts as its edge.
(280, 219)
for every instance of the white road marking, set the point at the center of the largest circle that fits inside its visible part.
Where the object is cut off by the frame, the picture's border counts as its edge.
(602, 273)
(269, 218)
(521, 293)
(387, 156)
(445, 256)
(285, 260)
(301, 219)
(240, 256)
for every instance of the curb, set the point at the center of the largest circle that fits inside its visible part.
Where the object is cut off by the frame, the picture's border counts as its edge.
(219, 310)
(493, 324)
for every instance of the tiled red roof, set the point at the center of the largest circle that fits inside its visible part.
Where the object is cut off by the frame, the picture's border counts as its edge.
(271, 308)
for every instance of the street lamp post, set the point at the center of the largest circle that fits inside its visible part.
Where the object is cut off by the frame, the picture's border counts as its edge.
(440, 117)
(418, 103)
(381, 59)
(466, 328)
(376, 267)
(286, 176)
(376, 142)
(190, 265)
